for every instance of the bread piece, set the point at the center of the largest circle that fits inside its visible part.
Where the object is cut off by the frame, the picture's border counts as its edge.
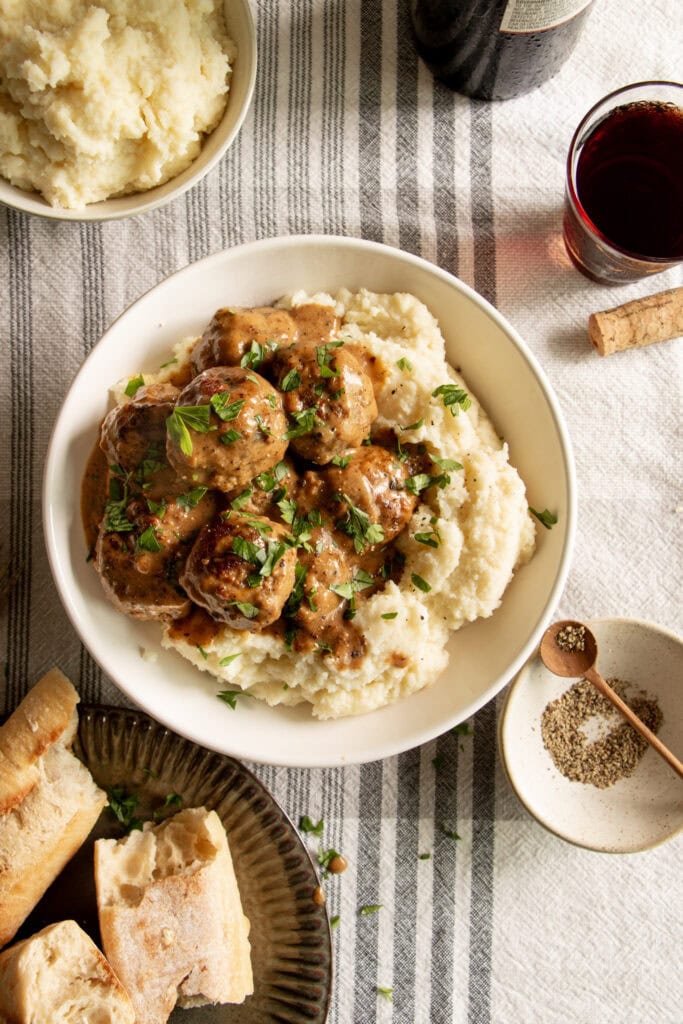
(60, 976)
(171, 917)
(52, 802)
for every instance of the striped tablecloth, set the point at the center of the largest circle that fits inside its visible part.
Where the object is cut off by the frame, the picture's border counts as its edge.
(348, 134)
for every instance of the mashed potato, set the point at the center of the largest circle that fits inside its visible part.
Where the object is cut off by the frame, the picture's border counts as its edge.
(480, 518)
(107, 97)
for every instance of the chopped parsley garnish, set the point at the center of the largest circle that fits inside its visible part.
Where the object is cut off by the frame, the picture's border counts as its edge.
(416, 425)
(449, 833)
(263, 529)
(185, 418)
(448, 465)
(356, 524)
(404, 364)
(324, 359)
(115, 518)
(420, 583)
(325, 858)
(242, 499)
(148, 540)
(360, 581)
(245, 549)
(190, 499)
(546, 517)
(453, 397)
(270, 478)
(224, 408)
(202, 651)
(230, 436)
(424, 856)
(386, 993)
(252, 359)
(431, 540)
(296, 596)
(172, 800)
(229, 697)
(169, 362)
(323, 646)
(341, 460)
(438, 762)
(261, 426)
(416, 484)
(290, 381)
(389, 615)
(228, 659)
(463, 729)
(370, 908)
(156, 508)
(123, 805)
(305, 420)
(134, 384)
(306, 825)
(250, 611)
(334, 922)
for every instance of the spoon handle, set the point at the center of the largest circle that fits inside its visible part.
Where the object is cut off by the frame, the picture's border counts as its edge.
(640, 727)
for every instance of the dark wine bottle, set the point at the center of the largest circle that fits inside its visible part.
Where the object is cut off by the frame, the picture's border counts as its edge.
(496, 49)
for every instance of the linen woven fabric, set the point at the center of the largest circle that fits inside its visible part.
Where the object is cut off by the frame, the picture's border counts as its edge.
(348, 134)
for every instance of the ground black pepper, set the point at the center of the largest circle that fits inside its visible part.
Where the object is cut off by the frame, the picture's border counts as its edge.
(611, 755)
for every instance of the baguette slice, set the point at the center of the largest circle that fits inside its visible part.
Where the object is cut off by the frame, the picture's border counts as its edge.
(60, 976)
(171, 917)
(51, 800)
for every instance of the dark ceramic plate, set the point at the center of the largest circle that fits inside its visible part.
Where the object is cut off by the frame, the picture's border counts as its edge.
(290, 934)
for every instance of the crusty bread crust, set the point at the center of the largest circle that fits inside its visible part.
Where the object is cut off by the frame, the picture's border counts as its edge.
(44, 715)
(40, 833)
(59, 976)
(171, 918)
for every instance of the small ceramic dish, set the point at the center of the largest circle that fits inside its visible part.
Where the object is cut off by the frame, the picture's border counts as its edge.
(637, 812)
(239, 22)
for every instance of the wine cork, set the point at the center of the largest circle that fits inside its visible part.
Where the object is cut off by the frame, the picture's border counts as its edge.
(639, 323)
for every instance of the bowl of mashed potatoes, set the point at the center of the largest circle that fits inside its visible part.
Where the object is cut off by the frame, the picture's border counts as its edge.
(315, 486)
(113, 108)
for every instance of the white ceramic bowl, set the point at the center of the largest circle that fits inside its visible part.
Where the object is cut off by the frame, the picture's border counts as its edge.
(501, 372)
(240, 25)
(635, 813)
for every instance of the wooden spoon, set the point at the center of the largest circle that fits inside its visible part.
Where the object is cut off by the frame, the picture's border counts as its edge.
(573, 664)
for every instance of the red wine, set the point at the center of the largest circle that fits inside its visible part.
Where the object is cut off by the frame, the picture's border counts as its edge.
(496, 49)
(629, 179)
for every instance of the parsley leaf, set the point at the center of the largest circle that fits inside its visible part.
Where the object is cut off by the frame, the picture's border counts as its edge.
(386, 993)
(404, 364)
(370, 908)
(453, 397)
(224, 408)
(250, 611)
(546, 517)
(416, 425)
(448, 465)
(241, 500)
(420, 583)
(123, 805)
(389, 615)
(185, 418)
(191, 498)
(290, 381)
(341, 460)
(228, 659)
(134, 384)
(306, 825)
(305, 420)
(356, 524)
(229, 697)
(257, 353)
(148, 540)
(418, 483)
(229, 436)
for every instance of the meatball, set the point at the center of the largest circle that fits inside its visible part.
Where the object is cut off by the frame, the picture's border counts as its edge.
(133, 436)
(234, 333)
(373, 482)
(241, 569)
(327, 396)
(228, 426)
(141, 548)
(267, 489)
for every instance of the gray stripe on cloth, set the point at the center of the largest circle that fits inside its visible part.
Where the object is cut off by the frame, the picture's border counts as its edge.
(197, 207)
(21, 458)
(267, 148)
(370, 126)
(443, 165)
(332, 128)
(299, 118)
(367, 945)
(406, 136)
(444, 879)
(484, 750)
(93, 320)
(405, 878)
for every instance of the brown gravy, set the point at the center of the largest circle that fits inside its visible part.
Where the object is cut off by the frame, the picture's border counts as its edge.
(94, 494)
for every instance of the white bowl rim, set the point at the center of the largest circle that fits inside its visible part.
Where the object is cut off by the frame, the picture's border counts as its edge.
(153, 198)
(390, 746)
(518, 681)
